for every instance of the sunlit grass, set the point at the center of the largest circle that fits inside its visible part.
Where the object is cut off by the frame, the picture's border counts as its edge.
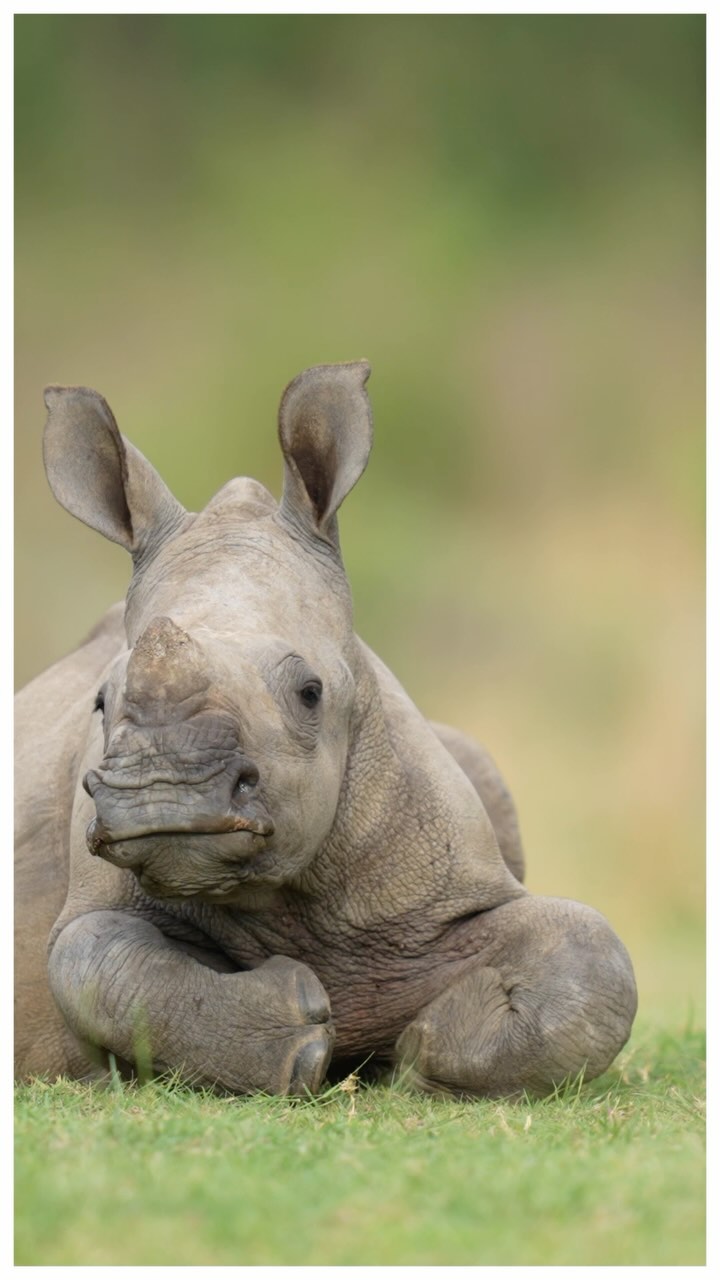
(609, 1173)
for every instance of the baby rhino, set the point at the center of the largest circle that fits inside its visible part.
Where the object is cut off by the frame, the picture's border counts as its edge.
(243, 853)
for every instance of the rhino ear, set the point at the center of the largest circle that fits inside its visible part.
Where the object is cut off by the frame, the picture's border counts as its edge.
(98, 476)
(326, 436)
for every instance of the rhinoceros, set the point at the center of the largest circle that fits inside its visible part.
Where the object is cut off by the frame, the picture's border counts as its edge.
(244, 855)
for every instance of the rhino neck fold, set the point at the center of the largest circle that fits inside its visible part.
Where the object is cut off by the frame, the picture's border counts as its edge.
(411, 836)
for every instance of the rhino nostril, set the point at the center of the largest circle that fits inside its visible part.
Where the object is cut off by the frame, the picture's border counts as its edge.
(91, 782)
(247, 778)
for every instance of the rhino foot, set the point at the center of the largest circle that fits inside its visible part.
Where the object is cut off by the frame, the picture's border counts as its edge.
(310, 1066)
(297, 1056)
(123, 986)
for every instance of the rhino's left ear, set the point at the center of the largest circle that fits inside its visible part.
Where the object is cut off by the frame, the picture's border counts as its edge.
(98, 476)
(326, 436)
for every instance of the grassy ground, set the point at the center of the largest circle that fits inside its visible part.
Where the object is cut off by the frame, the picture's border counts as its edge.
(611, 1173)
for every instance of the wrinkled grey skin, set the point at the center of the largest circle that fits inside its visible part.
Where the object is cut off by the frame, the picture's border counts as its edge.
(255, 855)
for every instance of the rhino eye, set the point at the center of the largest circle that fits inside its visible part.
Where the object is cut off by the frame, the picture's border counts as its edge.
(311, 693)
(99, 704)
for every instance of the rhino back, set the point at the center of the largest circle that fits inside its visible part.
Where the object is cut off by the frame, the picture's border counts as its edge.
(51, 722)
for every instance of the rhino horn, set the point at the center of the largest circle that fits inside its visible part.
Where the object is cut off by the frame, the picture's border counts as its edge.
(166, 666)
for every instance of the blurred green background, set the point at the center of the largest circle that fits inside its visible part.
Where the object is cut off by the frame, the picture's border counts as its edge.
(505, 215)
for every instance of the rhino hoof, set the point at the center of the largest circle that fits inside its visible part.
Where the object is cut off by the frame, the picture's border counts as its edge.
(308, 998)
(310, 1065)
(312, 998)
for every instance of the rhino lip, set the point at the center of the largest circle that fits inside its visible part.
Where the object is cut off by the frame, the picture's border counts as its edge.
(97, 837)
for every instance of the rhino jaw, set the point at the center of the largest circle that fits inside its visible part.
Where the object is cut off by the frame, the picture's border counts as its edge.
(231, 863)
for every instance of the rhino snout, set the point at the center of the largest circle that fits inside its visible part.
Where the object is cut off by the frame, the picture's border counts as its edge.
(247, 777)
(147, 796)
(91, 782)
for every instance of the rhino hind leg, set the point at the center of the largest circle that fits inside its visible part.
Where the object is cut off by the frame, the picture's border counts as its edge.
(478, 764)
(551, 997)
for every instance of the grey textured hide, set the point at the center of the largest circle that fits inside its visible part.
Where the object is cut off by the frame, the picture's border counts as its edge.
(242, 852)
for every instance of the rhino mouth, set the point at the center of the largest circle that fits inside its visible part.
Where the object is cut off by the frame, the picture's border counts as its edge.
(99, 839)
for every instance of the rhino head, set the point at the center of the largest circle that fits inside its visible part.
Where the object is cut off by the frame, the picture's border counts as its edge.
(228, 717)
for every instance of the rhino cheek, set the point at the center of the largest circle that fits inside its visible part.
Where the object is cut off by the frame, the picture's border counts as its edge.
(305, 803)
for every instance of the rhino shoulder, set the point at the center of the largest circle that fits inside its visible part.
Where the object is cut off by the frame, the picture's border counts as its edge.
(103, 642)
(45, 705)
(477, 763)
(110, 629)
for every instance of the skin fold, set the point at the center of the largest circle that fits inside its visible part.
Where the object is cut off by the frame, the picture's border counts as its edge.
(242, 852)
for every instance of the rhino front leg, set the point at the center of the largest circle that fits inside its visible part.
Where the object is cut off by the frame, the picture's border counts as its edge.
(552, 995)
(125, 988)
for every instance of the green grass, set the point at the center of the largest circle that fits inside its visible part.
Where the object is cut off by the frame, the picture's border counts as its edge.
(611, 1173)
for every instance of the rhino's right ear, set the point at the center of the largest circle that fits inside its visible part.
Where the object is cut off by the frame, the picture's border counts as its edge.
(98, 476)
